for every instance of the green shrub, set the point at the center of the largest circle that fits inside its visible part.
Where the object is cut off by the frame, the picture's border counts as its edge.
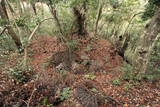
(116, 82)
(45, 102)
(128, 72)
(17, 74)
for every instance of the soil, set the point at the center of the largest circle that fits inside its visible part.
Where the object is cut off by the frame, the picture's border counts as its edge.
(94, 66)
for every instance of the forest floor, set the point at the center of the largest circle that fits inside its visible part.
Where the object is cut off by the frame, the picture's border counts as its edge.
(90, 77)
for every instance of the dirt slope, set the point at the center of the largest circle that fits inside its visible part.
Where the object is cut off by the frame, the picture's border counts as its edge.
(95, 66)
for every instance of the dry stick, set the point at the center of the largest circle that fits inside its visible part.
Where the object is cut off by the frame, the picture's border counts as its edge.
(35, 29)
(34, 90)
(30, 98)
(5, 28)
(24, 102)
(3, 31)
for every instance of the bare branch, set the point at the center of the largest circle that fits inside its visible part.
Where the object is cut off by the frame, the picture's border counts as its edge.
(35, 29)
(3, 31)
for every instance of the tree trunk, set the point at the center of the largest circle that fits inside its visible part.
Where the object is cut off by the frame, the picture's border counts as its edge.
(80, 21)
(146, 44)
(4, 16)
(126, 36)
(34, 8)
(54, 14)
(98, 18)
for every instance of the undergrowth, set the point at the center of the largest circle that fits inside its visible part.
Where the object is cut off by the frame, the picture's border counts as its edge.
(19, 74)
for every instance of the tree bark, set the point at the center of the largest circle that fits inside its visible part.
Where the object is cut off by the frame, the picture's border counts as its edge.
(80, 19)
(146, 44)
(4, 16)
(34, 8)
(54, 14)
(98, 18)
(126, 36)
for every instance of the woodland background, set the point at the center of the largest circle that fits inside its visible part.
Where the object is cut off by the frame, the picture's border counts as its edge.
(79, 52)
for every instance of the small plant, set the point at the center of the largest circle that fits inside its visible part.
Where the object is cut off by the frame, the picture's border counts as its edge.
(65, 94)
(127, 86)
(90, 76)
(45, 102)
(116, 82)
(129, 73)
(19, 74)
(16, 74)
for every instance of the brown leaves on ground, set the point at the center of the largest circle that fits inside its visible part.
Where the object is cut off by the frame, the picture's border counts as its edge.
(95, 58)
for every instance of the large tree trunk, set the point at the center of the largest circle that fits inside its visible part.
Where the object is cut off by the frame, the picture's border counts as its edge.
(146, 43)
(4, 16)
(80, 19)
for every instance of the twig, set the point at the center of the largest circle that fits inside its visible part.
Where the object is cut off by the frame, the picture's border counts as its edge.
(34, 90)
(35, 29)
(30, 98)
(5, 27)
(3, 31)
(24, 102)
